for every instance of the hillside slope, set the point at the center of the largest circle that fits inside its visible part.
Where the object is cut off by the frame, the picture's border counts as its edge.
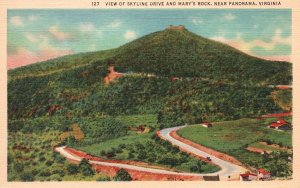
(185, 54)
(174, 53)
(226, 83)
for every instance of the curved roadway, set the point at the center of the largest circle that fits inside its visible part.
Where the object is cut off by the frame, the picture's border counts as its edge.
(73, 157)
(227, 169)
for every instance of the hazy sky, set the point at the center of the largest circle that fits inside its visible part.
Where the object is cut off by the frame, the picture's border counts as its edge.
(37, 35)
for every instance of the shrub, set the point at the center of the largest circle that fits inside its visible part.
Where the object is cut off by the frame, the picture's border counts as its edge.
(42, 153)
(110, 154)
(131, 155)
(122, 175)
(103, 179)
(41, 159)
(71, 141)
(119, 150)
(122, 146)
(194, 168)
(268, 141)
(152, 158)
(58, 171)
(72, 169)
(102, 153)
(85, 168)
(142, 155)
(27, 176)
(45, 174)
(59, 159)
(49, 163)
(34, 172)
(19, 167)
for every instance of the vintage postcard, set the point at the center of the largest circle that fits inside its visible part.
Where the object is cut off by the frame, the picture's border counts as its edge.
(151, 93)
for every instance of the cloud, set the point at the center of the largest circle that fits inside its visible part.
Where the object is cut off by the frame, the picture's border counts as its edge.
(129, 35)
(16, 21)
(196, 21)
(41, 41)
(57, 34)
(115, 24)
(32, 18)
(248, 46)
(99, 33)
(24, 57)
(86, 27)
(40, 48)
(229, 17)
(31, 38)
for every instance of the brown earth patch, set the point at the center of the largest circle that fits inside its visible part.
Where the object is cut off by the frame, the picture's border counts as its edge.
(76, 132)
(276, 146)
(230, 137)
(22, 148)
(135, 174)
(135, 163)
(145, 176)
(256, 150)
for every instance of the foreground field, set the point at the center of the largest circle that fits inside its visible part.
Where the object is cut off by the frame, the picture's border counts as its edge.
(232, 137)
(31, 158)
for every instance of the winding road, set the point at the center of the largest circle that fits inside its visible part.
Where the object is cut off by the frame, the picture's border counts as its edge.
(120, 165)
(227, 169)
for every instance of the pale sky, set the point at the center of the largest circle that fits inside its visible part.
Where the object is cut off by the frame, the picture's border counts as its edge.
(38, 35)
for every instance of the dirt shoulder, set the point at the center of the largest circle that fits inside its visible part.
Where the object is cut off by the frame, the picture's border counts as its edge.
(137, 175)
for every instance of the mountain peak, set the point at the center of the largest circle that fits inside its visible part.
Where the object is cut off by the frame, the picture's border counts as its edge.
(173, 27)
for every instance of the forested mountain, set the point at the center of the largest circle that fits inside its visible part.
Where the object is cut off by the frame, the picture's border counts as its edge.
(215, 82)
(178, 53)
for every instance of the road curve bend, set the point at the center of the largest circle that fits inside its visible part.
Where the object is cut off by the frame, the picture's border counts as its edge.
(227, 168)
(74, 157)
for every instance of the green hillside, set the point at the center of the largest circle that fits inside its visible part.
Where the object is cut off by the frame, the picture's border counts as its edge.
(185, 54)
(215, 82)
(174, 53)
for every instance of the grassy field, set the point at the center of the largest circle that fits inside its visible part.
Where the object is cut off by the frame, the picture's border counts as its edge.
(232, 137)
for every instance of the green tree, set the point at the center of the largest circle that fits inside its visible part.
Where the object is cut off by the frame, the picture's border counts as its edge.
(27, 176)
(122, 175)
(72, 169)
(58, 158)
(19, 167)
(199, 165)
(71, 140)
(85, 168)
